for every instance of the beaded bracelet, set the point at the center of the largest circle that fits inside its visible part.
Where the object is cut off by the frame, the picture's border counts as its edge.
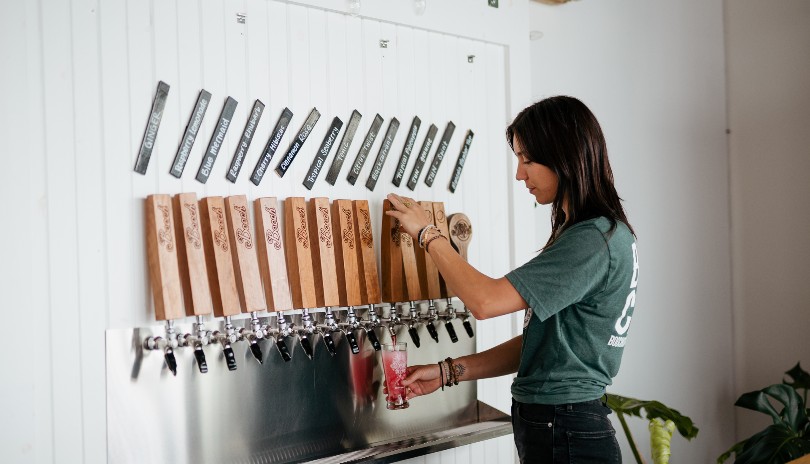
(427, 243)
(451, 378)
(441, 374)
(421, 237)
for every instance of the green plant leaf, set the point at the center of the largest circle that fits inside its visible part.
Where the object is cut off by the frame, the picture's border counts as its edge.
(758, 401)
(653, 409)
(801, 379)
(776, 444)
(793, 413)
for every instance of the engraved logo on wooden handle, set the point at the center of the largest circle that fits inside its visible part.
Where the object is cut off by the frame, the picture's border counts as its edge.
(325, 232)
(193, 231)
(272, 234)
(365, 234)
(406, 240)
(440, 217)
(302, 233)
(462, 230)
(348, 232)
(243, 234)
(221, 235)
(395, 233)
(165, 235)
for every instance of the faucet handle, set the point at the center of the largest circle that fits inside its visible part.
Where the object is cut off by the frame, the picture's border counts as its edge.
(171, 362)
(414, 335)
(372, 337)
(330, 343)
(256, 350)
(199, 354)
(352, 341)
(452, 331)
(282, 349)
(230, 357)
(432, 331)
(306, 345)
(468, 328)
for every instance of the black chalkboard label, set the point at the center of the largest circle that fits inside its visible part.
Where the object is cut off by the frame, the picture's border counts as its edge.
(272, 145)
(440, 152)
(362, 154)
(423, 154)
(462, 158)
(343, 150)
(323, 152)
(150, 134)
(382, 155)
(298, 142)
(217, 139)
(244, 144)
(190, 134)
(399, 174)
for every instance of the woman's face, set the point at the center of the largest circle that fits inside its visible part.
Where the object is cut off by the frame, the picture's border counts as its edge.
(539, 179)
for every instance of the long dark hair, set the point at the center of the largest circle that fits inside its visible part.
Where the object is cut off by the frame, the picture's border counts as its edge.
(562, 134)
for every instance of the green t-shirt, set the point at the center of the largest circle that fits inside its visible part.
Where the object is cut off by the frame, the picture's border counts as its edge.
(581, 291)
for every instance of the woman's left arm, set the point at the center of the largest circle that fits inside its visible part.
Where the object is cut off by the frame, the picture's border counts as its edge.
(484, 296)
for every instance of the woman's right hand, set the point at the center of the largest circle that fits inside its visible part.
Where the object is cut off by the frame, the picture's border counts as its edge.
(422, 380)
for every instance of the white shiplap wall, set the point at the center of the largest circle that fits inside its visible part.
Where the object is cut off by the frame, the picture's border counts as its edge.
(78, 80)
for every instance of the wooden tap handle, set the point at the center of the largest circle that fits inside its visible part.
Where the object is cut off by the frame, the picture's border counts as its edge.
(243, 251)
(299, 253)
(460, 233)
(428, 272)
(218, 260)
(191, 254)
(440, 218)
(346, 253)
(161, 251)
(323, 252)
(272, 262)
(413, 288)
(393, 289)
(366, 258)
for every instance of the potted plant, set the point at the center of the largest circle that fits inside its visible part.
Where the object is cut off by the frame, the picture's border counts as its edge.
(663, 422)
(788, 437)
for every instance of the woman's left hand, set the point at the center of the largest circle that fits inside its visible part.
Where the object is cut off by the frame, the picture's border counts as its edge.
(410, 214)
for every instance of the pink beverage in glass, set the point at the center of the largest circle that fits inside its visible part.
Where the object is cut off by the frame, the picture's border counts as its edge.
(395, 364)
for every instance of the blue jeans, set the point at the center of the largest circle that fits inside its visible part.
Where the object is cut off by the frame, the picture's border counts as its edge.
(565, 433)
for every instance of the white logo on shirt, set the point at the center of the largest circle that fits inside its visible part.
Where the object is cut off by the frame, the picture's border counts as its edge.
(623, 322)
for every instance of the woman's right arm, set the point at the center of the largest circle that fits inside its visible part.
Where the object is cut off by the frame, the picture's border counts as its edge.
(494, 362)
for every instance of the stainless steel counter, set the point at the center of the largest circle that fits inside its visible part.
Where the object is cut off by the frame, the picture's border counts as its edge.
(327, 409)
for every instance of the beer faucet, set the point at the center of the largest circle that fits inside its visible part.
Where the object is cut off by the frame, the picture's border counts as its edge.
(326, 329)
(226, 339)
(351, 324)
(199, 338)
(280, 333)
(252, 333)
(306, 333)
(167, 345)
(414, 319)
(372, 323)
(448, 316)
(429, 319)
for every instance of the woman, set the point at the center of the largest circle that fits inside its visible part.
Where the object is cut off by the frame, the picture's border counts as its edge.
(578, 292)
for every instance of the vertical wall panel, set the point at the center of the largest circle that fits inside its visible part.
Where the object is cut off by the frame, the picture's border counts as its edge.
(92, 70)
(141, 83)
(65, 319)
(188, 86)
(90, 217)
(121, 205)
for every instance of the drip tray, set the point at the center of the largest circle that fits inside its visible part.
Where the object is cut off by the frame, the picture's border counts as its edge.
(492, 424)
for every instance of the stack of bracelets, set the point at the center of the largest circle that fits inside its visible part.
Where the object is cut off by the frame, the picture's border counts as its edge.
(428, 234)
(452, 373)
